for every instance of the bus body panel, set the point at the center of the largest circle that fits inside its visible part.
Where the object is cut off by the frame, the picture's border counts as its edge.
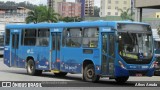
(40, 56)
(73, 58)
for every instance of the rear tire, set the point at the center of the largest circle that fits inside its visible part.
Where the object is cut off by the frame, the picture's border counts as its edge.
(61, 74)
(89, 74)
(31, 69)
(121, 80)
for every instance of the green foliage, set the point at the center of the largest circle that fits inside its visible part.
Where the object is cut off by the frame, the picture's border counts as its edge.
(96, 11)
(42, 14)
(125, 15)
(71, 19)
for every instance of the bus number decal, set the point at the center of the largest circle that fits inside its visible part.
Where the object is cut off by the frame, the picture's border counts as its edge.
(56, 30)
(15, 30)
(39, 66)
(30, 51)
(106, 29)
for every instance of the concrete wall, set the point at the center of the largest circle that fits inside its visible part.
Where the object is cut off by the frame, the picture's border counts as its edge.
(146, 3)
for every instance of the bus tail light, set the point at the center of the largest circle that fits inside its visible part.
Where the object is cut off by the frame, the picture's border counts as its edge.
(121, 64)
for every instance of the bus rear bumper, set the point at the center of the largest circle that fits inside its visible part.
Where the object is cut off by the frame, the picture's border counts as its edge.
(119, 72)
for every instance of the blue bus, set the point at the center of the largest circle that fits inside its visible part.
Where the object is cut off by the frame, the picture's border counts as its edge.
(114, 49)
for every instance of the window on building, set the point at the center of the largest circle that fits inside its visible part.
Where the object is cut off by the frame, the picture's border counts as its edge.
(29, 37)
(116, 2)
(125, 8)
(109, 7)
(109, 1)
(90, 37)
(116, 8)
(125, 2)
(70, 4)
(116, 13)
(108, 13)
(43, 37)
(101, 2)
(63, 9)
(72, 37)
(7, 35)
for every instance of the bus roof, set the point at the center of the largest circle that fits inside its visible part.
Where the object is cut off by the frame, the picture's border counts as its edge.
(99, 23)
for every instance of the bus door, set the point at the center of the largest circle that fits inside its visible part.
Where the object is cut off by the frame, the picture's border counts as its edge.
(108, 53)
(55, 55)
(14, 50)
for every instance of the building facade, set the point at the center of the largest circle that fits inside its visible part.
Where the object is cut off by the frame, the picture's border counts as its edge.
(69, 9)
(13, 14)
(87, 7)
(110, 7)
(54, 4)
(141, 5)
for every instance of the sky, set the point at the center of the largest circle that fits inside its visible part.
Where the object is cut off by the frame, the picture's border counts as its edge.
(97, 2)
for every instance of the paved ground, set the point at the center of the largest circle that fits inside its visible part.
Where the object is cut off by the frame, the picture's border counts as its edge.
(19, 74)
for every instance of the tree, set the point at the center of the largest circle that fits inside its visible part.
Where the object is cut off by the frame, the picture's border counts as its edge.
(50, 15)
(125, 15)
(42, 14)
(96, 11)
(71, 19)
(33, 16)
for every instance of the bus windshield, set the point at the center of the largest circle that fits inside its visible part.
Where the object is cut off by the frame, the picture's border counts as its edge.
(134, 46)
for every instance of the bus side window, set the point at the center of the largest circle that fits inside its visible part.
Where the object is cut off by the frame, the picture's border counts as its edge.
(30, 37)
(73, 37)
(43, 37)
(90, 37)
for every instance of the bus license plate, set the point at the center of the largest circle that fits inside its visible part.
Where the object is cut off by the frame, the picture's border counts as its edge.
(139, 74)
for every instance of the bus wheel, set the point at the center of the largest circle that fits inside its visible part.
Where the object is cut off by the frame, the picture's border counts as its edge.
(89, 74)
(61, 74)
(121, 79)
(31, 68)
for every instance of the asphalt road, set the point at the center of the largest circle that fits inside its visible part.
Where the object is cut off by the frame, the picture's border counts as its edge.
(72, 80)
